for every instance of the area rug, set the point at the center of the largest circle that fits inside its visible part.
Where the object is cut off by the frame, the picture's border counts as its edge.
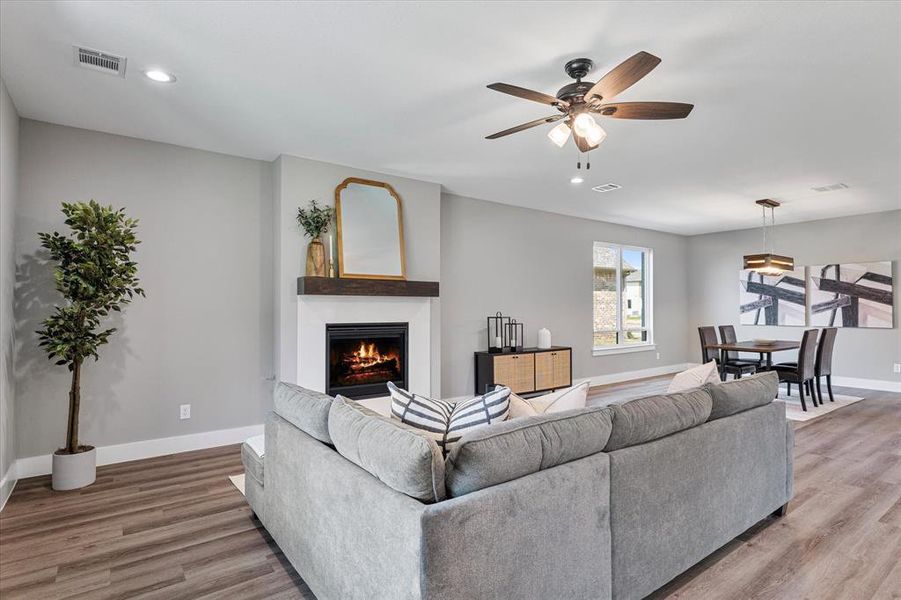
(238, 481)
(793, 410)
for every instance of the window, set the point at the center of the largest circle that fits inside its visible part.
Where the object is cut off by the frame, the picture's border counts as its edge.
(622, 298)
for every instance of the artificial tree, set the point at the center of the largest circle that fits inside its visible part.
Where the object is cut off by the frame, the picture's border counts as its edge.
(95, 275)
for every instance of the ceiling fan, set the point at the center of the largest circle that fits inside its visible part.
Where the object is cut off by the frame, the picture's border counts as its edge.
(579, 101)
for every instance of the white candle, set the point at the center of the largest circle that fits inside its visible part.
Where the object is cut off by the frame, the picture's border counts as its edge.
(497, 341)
(330, 255)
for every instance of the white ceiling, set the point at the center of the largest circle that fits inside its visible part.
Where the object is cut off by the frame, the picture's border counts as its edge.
(787, 95)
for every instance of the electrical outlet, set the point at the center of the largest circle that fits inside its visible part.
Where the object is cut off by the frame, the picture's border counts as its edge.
(658, 356)
(184, 411)
(897, 368)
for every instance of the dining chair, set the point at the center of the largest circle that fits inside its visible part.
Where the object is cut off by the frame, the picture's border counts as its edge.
(727, 334)
(708, 336)
(823, 367)
(804, 371)
(824, 360)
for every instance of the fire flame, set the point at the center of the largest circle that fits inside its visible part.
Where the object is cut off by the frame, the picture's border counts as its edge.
(368, 355)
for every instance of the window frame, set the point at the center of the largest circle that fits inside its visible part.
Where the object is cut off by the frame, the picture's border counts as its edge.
(647, 302)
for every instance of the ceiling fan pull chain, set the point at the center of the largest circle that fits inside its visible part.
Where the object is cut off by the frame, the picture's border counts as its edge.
(588, 160)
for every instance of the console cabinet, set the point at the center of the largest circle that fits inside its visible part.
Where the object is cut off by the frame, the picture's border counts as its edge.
(531, 370)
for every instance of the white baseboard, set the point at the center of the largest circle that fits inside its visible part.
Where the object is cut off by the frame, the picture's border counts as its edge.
(8, 484)
(107, 455)
(867, 384)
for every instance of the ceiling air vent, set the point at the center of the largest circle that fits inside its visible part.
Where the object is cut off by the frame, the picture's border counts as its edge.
(831, 188)
(607, 187)
(99, 61)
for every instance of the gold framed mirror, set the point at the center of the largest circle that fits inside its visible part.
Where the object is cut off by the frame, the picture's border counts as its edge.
(370, 230)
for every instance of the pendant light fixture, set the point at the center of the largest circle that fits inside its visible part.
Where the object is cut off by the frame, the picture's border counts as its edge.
(768, 263)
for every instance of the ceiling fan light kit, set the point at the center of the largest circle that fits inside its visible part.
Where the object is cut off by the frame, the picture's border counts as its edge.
(578, 102)
(559, 134)
(768, 262)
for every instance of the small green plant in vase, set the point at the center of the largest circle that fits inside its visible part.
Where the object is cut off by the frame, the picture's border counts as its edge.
(95, 275)
(315, 221)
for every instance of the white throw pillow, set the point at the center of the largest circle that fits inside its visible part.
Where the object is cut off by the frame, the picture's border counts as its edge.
(567, 399)
(694, 377)
(446, 422)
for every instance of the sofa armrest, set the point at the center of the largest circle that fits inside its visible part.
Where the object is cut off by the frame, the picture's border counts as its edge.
(546, 535)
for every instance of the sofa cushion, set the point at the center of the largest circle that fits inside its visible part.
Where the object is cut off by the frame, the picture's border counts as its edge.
(446, 422)
(694, 377)
(566, 399)
(742, 394)
(399, 456)
(516, 448)
(645, 419)
(305, 409)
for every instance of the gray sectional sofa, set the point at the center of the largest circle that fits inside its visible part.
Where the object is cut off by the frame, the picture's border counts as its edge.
(604, 502)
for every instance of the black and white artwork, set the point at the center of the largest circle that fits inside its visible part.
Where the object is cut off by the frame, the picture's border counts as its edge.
(852, 295)
(773, 299)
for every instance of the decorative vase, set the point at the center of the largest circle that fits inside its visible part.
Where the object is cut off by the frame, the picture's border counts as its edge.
(74, 471)
(316, 263)
(544, 338)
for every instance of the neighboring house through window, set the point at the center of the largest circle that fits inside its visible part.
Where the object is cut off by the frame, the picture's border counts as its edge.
(622, 297)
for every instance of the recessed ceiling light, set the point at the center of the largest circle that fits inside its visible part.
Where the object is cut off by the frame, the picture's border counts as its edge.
(576, 179)
(159, 76)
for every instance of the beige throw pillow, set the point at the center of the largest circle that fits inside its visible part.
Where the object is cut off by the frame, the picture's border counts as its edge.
(694, 377)
(567, 399)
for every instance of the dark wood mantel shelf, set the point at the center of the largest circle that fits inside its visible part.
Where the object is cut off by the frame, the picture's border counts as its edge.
(332, 286)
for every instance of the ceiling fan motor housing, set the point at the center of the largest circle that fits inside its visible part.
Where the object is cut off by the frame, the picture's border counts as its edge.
(573, 91)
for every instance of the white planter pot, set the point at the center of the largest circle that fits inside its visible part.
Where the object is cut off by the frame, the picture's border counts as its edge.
(74, 471)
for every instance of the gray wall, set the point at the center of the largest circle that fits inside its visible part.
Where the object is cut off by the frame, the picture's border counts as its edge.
(299, 180)
(537, 267)
(715, 260)
(9, 151)
(203, 336)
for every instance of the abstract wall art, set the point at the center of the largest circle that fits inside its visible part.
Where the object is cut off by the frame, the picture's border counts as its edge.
(852, 295)
(773, 300)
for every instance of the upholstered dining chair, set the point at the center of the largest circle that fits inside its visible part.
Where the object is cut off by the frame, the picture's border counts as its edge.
(804, 371)
(733, 359)
(708, 336)
(823, 367)
(824, 360)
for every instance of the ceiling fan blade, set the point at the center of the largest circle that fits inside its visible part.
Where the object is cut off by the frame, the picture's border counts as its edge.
(623, 76)
(644, 110)
(582, 144)
(527, 94)
(524, 126)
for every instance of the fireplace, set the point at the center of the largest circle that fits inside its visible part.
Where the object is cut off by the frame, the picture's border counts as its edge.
(362, 357)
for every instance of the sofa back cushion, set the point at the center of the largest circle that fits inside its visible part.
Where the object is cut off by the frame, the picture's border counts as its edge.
(742, 394)
(305, 409)
(519, 447)
(645, 419)
(394, 453)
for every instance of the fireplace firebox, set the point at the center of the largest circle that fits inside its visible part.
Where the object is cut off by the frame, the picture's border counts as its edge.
(362, 357)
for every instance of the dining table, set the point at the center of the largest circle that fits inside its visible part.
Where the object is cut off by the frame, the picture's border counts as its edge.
(764, 349)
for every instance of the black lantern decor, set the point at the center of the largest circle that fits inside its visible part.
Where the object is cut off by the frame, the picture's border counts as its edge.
(497, 333)
(515, 335)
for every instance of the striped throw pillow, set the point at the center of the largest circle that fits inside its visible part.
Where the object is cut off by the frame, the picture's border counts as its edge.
(446, 422)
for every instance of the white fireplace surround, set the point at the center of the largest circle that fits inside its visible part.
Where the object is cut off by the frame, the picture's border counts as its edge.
(314, 312)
